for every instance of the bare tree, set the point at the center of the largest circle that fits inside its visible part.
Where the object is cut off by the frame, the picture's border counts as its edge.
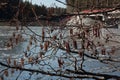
(61, 51)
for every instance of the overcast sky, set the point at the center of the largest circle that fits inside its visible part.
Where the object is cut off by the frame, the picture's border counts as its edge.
(48, 3)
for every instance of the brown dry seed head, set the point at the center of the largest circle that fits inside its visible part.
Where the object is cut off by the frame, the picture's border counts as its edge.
(71, 31)
(12, 71)
(22, 61)
(1, 78)
(113, 49)
(9, 60)
(28, 48)
(15, 63)
(30, 59)
(61, 36)
(67, 47)
(41, 46)
(16, 40)
(43, 35)
(31, 37)
(20, 65)
(46, 46)
(40, 55)
(17, 28)
(35, 41)
(6, 73)
(30, 42)
(75, 44)
(60, 62)
(80, 53)
(54, 37)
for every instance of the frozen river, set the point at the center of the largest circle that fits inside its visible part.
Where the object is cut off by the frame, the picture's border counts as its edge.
(6, 32)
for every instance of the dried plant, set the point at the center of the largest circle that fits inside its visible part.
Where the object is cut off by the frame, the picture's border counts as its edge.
(46, 52)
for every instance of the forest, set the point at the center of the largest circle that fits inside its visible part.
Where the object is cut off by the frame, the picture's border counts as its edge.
(91, 4)
(8, 8)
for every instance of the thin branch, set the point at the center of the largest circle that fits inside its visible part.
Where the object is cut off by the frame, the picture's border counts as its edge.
(63, 75)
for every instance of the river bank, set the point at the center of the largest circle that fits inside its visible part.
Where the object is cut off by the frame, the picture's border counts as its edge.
(7, 23)
(4, 23)
(30, 23)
